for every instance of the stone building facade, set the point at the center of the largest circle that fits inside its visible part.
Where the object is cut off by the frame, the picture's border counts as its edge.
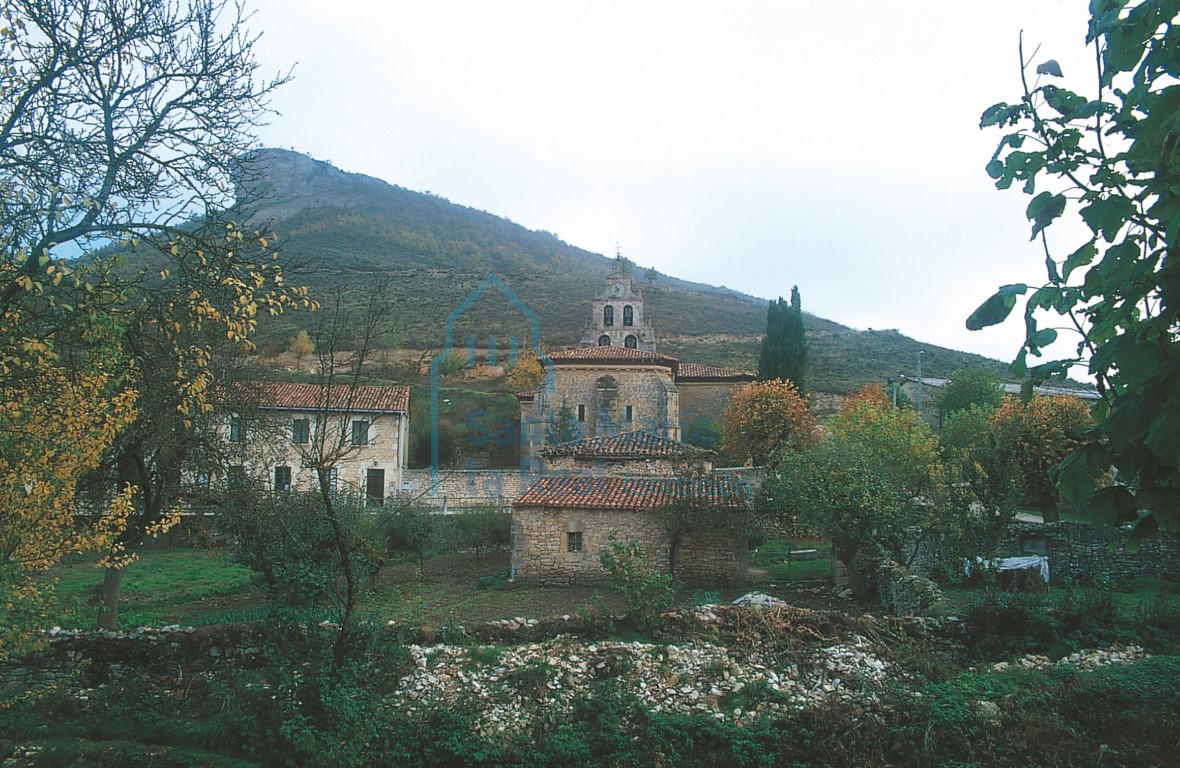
(634, 454)
(561, 525)
(361, 430)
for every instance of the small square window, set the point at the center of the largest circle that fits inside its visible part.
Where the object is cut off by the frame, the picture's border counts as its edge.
(301, 431)
(360, 432)
(573, 541)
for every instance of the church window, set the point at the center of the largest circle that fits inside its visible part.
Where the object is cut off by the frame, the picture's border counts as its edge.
(631, 342)
(608, 316)
(581, 413)
(573, 541)
(604, 340)
(628, 316)
(629, 414)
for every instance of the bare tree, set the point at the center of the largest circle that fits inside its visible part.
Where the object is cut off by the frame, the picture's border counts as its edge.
(119, 119)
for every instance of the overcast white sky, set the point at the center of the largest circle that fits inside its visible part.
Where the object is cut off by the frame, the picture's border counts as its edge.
(757, 145)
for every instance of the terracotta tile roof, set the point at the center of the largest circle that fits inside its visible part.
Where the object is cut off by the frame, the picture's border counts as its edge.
(612, 356)
(698, 372)
(360, 399)
(631, 445)
(632, 493)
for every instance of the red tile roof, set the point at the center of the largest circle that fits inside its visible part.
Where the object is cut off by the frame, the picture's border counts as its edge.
(339, 397)
(698, 372)
(631, 445)
(612, 356)
(632, 493)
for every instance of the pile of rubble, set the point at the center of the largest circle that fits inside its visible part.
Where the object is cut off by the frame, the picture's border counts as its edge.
(510, 686)
(1090, 659)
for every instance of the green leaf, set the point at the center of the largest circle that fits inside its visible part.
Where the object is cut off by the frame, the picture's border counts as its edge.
(1043, 210)
(1064, 102)
(1079, 258)
(1107, 216)
(1041, 338)
(1112, 505)
(1050, 67)
(1163, 438)
(997, 308)
(1001, 114)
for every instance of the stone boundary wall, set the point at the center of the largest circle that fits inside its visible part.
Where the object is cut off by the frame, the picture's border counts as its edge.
(87, 659)
(1075, 551)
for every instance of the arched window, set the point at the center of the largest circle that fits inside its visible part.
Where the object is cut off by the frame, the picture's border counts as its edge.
(628, 316)
(608, 316)
(631, 342)
(604, 340)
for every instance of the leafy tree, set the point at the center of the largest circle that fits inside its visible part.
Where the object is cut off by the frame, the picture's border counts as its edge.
(1038, 435)
(301, 344)
(875, 473)
(987, 466)
(974, 386)
(527, 374)
(564, 427)
(451, 364)
(123, 127)
(1112, 158)
(764, 416)
(784, 347)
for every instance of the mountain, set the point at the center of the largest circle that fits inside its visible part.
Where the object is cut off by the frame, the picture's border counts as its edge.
(346, 232)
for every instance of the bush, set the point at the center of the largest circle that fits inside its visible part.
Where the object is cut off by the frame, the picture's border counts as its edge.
(647, 591)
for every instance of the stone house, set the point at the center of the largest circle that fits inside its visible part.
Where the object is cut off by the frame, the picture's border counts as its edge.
(693, 527)
(361, 431)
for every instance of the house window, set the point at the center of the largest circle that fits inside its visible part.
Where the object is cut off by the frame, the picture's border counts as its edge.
(631, 342)
(301, 431)
(608, 316)
(604, 340)
(235, 429)
(628, 316)
(629, 413)
(236, 477)
(334, 479)
(202, 479)
(573, 541)
(282, 479)
(581, 413)
(360, 432)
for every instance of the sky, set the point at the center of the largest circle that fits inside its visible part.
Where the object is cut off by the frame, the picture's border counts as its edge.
(757, 145)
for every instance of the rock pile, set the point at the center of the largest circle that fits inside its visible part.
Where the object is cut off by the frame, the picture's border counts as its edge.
(507, 687)
(1090, 659)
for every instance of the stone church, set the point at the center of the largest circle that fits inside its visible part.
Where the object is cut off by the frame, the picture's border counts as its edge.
(616, 382)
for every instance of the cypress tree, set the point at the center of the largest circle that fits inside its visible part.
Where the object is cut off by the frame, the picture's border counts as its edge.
(784, 348)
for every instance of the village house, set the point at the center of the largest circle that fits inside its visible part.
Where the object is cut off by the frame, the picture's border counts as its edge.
(693, 527)
(359, 432)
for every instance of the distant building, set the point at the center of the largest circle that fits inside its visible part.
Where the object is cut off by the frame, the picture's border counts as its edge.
(361, 432)
(924, 391)
(616, 382)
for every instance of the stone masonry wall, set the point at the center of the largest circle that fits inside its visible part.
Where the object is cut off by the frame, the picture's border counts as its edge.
(704, 400)
(467, 488)
(540, 554)
(1075, 551)
(86, 659)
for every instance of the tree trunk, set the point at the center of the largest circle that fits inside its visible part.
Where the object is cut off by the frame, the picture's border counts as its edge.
(1049, 511)
(108, 608)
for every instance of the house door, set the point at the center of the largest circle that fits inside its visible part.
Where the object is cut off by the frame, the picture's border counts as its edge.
(375, 486)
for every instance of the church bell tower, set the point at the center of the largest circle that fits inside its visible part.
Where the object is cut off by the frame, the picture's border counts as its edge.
(617, 318)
